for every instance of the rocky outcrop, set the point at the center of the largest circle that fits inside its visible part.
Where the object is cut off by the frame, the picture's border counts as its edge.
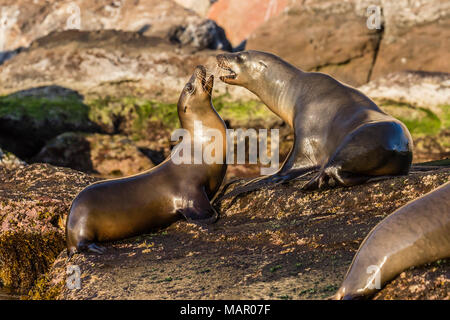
(29, 118)
(108, 63)
(275, 243)
(416, 37)
(420, 88)
(34, 202)
(108, 156)
(25, 22)
(333, 37)
(330, 37)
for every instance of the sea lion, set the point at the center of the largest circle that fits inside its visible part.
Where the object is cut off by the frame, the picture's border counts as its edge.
(121, 208)
(337, 129)
(415, 234)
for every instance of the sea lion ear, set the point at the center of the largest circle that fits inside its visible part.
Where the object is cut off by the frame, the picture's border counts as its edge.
(209, 84)
(262, 64)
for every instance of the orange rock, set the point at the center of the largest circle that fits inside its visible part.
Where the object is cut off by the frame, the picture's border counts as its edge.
(240, 18)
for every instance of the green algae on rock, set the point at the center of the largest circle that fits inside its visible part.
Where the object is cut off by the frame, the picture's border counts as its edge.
(34, 202)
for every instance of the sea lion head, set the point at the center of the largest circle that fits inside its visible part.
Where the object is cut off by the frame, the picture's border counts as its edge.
(245, 67)
(196, 94)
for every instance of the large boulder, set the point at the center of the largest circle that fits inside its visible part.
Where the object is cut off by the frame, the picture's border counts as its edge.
(28, 118)
(275, 243)
(34, 202)
(333, 37)
(26, 21)
(108, 63)
(416, 37)
(326, 36)
(106, 155)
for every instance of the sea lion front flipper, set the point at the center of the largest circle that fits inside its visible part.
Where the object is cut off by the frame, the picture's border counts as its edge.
(96, 248)
(200, 210)
(89, 246)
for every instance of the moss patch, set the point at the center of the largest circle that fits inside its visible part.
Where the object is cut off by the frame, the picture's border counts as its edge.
(242, 113)
(131, 114)
(44, 290)
(24, 256)
(71, 109)
(135, 115)
(419, 120)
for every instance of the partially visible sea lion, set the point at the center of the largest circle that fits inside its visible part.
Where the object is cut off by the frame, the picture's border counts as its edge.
(121, 208)
(415, 234)
(337, 129)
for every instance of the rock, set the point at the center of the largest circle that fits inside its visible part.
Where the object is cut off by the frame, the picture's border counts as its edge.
(34, 201)
(108, 156)
(432, 147)
(429, 282)
(241, 18)
(421, 100)
(275, 243)
(34, 116)
(200, 7)
(326, 36)
(333, 37)
(10, 161)
(26, 22)
(416, 37)
(207, 35)
(109, 63)
(420, 88)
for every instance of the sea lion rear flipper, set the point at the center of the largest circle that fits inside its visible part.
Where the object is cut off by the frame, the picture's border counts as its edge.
(200, 210)
(341, 178)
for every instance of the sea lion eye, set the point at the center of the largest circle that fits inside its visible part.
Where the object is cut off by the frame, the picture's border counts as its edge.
(241, 56)
(189, 87)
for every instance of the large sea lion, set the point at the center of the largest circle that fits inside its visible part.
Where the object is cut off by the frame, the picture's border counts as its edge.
(415, 234)
(121, 208)
(337, 129)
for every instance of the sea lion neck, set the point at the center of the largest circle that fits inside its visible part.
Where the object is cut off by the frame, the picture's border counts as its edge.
(275, 89)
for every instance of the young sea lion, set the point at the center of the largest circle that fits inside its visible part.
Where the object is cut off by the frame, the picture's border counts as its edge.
(121, 208)
(337, 129)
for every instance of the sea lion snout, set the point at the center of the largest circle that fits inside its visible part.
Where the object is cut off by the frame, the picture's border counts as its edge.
(198, 81)
(243, 68)
(200, 74)
(197, 92)
(227, 62)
